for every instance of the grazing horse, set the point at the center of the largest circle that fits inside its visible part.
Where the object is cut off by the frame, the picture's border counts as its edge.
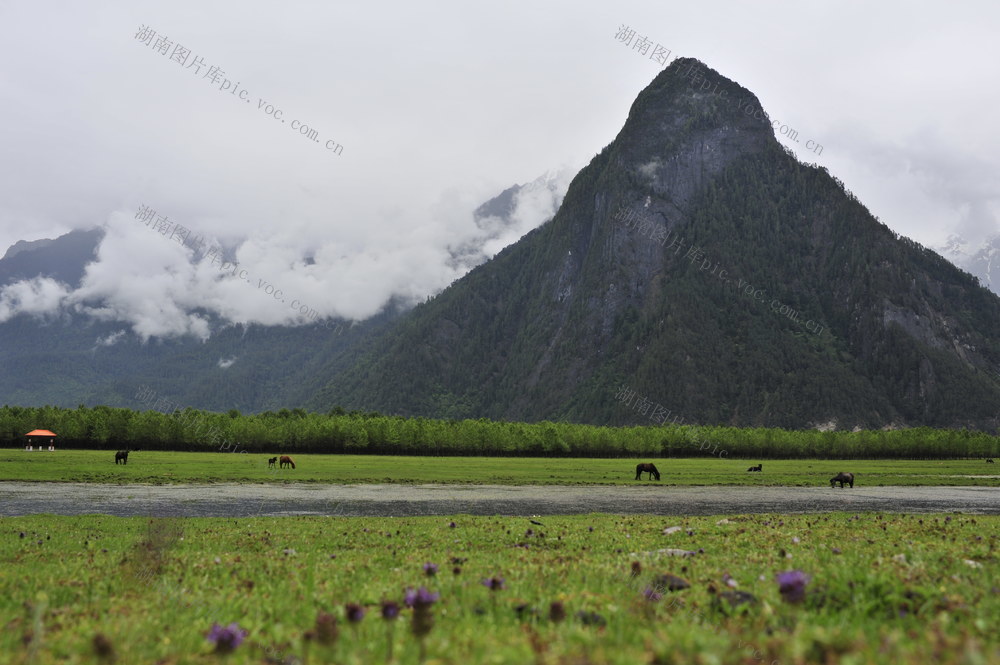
(842, 478)
(989, 461)
(648, 468)
(121, 456)
(759, 467)
(271, 462)
(285, 459)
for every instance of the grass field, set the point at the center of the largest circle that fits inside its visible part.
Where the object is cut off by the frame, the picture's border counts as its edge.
(97, 466)
(881, 589)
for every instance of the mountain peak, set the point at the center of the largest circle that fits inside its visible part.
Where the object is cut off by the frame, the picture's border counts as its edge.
(696, 265)
(688, 97)
(63, 258)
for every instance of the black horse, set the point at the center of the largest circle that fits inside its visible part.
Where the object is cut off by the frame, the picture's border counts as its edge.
(842, 478)
(989, 461)
(271, 462)
(759, 467)
(648, 468)
(121, 456)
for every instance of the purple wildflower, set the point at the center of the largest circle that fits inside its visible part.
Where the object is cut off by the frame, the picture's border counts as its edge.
(452, 525)
(651, 594)
(354, 612)
(423, 620)
(390, 610)
(792, 585)
(227, 638)
(494, 583)
(430, 569)
(420, 598)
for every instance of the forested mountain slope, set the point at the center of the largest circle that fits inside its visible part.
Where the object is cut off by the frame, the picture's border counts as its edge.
(748, 289)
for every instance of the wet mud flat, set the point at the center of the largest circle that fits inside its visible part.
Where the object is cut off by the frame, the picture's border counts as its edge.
(236, 500)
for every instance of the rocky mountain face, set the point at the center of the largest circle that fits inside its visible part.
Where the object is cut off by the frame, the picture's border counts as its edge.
(697, 271)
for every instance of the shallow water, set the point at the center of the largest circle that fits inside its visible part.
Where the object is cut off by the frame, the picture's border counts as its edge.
(234, 500)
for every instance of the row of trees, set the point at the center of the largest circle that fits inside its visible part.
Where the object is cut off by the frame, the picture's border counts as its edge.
(356, 432)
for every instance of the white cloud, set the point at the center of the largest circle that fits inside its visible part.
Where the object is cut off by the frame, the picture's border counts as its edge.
(38, 297)
(110, 340)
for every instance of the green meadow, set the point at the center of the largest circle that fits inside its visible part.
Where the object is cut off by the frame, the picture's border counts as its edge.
(159, 467)
(592, 589)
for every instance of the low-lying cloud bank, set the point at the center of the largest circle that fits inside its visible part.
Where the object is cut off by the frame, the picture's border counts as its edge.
(163, 286)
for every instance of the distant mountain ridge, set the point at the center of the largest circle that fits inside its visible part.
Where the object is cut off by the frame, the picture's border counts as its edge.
(982, 261)
(66, 358)
(63, 258)
(501, 220)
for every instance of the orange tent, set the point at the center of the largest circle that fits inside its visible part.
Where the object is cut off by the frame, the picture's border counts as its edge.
(43, 434)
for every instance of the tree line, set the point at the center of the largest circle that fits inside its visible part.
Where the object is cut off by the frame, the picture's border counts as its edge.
(300, 431)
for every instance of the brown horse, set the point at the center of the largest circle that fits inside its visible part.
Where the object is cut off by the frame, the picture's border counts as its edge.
(285, 459)
(646, 467)
(271, 462)
(121, 456)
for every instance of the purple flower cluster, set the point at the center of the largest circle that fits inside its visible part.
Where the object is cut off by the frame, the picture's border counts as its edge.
(420, 598)
(355, 613)
(390, 610)
(494, 583)
(421, 601)
(792, 585)
(227, 638)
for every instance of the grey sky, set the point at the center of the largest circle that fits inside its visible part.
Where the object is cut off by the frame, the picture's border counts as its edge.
(438, 107)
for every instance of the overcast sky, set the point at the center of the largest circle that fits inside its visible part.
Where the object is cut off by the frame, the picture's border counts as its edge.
(436, 107)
